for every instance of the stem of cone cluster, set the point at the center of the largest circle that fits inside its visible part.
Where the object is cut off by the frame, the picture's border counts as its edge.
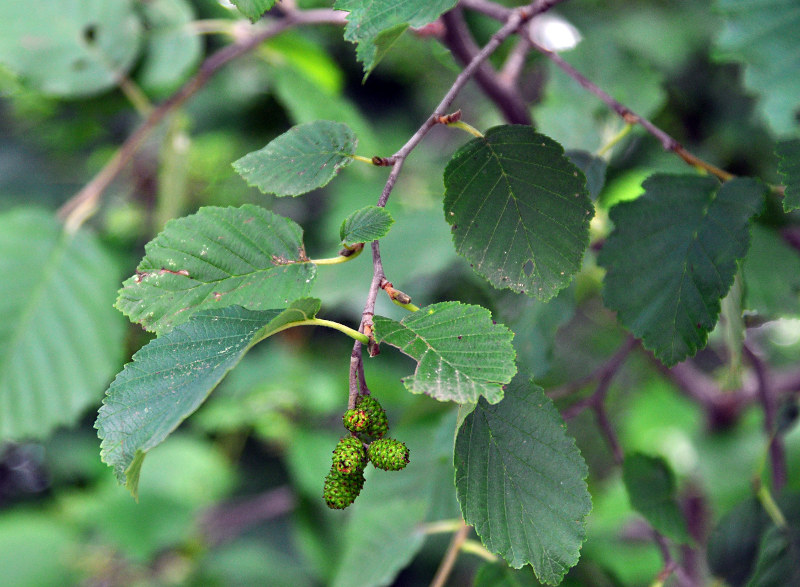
(466, 127)
(354, 334)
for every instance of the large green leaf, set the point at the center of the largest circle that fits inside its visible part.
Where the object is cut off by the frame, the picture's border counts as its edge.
(253, 9)
(172, 375)
(520, 481)
(365, 225)
(219, 257)
(173, 49)
(789, 167)
(60, 338)
(651, 490)
(69, 48)
(672, 257)
(461, 354)
(763, 35)
(304, 158)
(519, 210)
(376, 24)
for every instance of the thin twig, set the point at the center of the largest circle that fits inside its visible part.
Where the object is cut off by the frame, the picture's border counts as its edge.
(83, 204)
(450, 556)
(777, 452)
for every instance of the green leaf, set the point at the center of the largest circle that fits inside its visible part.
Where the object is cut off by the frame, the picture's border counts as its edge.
(789, 167)
(593, 167)
(94, 42)
(173, 49)
(519, 210)
(60, 338)
(173, 374)
(779, 550)
(672, 257)
(733, 544)
(763, 35)
(253, 9)
(771, 272)
(369, 18)
(218, 257)
(520, 481)
(365, 225)
(304, 158)
(499, 574)
(461, 354)
(651, 490)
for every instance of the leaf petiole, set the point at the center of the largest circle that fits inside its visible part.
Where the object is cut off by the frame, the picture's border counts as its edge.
(409, 306)
(466, 127)
(354, 252)
(354, 334)
(366, 160)
(612, 142)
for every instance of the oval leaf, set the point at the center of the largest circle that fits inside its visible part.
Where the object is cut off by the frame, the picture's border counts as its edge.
(172, 375)
(60, 338)
(218, 257)
(788, 153)
(365, 225)
(304, 158)
(519, 210)
(672, 257)
(461, 354)
(520, 481)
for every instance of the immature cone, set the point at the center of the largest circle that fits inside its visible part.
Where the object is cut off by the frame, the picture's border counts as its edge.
(388, 454)
(356, 420)
(378, 422)
(349, 456)
(340, 490)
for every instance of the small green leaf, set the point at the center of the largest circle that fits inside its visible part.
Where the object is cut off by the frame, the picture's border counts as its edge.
(253, 9)
(520, 481)
(93, 44)
(651, 489)
(217, 257)
(304, 158)
(368, 19)
(60, 338)
(789, 167)
(461, 354)
(519, 210)
(365, 225)
(171, 376)
(672, 257)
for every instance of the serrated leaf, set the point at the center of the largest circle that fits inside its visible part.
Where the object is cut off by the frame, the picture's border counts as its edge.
(172, 375)
(218, 257)
(672, 257)
(368, 19)
(789, 167)
(365, 225)
(461, 354)
(94, 43)
(650, 484)
(60, 338)
(763, 35)
(519, 210)
(304, 158)
(253, 9)
(520, 481)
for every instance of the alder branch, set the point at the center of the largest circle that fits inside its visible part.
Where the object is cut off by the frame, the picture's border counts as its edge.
(83, 204)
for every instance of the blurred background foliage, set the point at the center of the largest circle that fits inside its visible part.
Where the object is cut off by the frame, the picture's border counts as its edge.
(234, 498)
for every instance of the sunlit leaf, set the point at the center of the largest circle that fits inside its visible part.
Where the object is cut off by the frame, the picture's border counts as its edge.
(461, 354)
(520, 481)
(171, 376)
(302, 159)
(365, 225)
(218, 257)
(60, 338)
(673, 255)
(519, 210)
(789, 167)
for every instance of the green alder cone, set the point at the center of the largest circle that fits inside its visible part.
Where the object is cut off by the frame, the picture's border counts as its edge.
(349, 456)
(388, 454)
(378, 422)
(355, 420)
(341, 490)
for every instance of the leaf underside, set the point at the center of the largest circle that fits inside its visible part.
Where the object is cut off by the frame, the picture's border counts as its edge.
(218, 257)
(789, 167)
(672, 257)
(304, 158)
(520, 481)
(519, 210)
(172, 375)
(461, 354)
